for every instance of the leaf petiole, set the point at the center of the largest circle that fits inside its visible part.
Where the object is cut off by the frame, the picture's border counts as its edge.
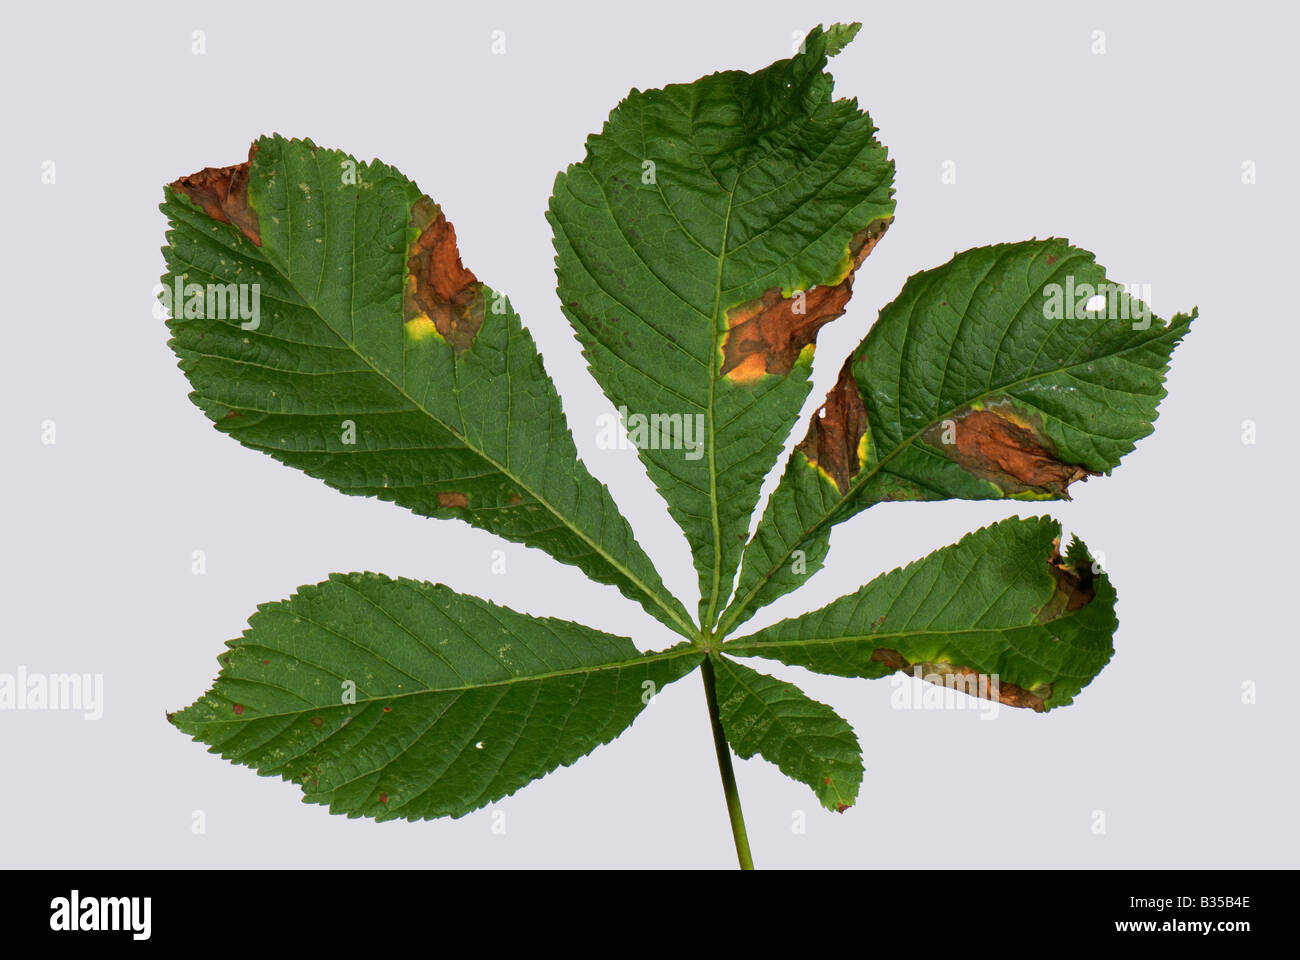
(734, 812)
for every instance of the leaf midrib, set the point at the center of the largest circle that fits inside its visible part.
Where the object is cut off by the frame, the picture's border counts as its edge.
(713, 379)
(503, 682)
(745, 643)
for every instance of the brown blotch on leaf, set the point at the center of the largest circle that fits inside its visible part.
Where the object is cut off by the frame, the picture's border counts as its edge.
(438, 286)
(515, 499)
(1007, 694)
(1012, 456)
(841, 807)
(836, 430)
(317, 721)
(222, 193)
(1074, 585)
(239, 708)
(452, 498)
(766, 335)
(890, 658)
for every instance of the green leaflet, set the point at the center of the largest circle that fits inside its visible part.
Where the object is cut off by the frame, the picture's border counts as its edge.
(456, 702)
(981, 380)
(711, 230)
(807, 740)
(1000, 602)
(423, 390)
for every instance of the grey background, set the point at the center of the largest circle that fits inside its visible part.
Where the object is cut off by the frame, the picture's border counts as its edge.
(1136, 155)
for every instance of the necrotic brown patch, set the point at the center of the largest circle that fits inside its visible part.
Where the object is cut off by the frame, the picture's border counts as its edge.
(439, 286)
(1008, 694)
(766, 335)
(836, 430)
(1074, 586)
(222, 193)
(1012, 456)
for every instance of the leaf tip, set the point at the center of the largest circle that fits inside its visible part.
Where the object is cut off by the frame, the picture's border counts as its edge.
(839, 36)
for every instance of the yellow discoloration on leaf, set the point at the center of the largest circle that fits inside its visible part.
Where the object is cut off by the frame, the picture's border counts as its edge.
(1007, 411)
(754, 368)
(421, 328)
(821, 472)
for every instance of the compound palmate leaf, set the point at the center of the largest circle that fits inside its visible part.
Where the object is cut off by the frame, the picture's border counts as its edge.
(1011, 371)
(712, 229)
(1000, 614)
(365, 354)
(323, 315)
(401, 699)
